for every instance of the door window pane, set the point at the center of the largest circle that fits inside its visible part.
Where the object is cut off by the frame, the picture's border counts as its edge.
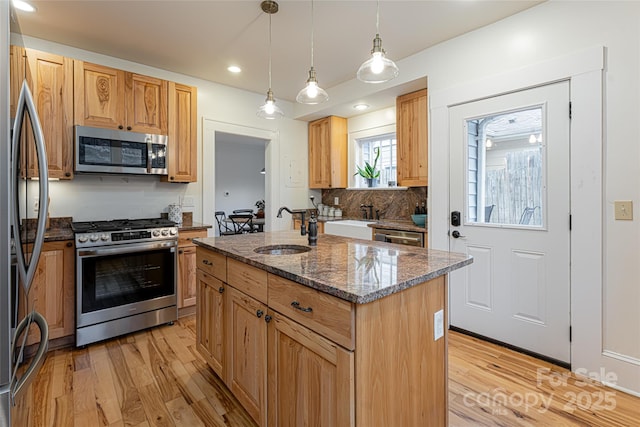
(505, 163)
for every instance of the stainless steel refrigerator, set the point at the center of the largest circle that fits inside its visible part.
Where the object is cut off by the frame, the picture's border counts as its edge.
(18, 136)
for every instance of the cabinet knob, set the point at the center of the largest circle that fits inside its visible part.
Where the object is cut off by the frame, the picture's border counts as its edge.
(120, 127)
(171, 178)
(221, 289)
(128, 127)
(180, 251)
(259, 313)
(69, 244)
(207, 262)
(267, 318)
(67, 174)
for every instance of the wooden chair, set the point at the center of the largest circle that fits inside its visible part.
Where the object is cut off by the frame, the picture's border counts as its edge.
(223, 227)
(242, 223)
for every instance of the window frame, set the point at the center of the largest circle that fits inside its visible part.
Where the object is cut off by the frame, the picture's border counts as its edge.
(354, 151)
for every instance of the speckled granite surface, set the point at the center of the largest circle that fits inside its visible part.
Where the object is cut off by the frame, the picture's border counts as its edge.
(59, 229)
(193, 226)
(398, 225)
(359, 271)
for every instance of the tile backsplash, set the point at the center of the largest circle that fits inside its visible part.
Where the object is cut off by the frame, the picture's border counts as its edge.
(392, 204)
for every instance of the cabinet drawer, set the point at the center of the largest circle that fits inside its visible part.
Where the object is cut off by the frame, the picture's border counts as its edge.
(212, 263)
(248, 279)
(325, 314)
(185, 237)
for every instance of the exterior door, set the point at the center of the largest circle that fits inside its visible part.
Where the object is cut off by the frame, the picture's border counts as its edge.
(509, 166)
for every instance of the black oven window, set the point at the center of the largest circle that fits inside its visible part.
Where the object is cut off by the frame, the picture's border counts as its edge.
(116, 280)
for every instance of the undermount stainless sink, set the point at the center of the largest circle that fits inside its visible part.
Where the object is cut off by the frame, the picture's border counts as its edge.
(282, 249)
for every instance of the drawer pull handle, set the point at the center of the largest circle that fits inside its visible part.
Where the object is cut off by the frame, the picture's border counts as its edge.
(296, 305)
(221, 289)
(259, 313)
(207, 262)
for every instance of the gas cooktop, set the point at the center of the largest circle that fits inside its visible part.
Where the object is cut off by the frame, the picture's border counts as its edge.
(120, 225)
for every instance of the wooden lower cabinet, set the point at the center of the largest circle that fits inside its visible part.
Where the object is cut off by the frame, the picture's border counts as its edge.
(246, 348)
(187, 270)
(52, 291)
(210, 332)
(303, 357)
(311, 379)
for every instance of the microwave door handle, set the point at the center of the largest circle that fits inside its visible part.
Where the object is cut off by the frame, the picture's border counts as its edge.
(19, 385)
(25, 101)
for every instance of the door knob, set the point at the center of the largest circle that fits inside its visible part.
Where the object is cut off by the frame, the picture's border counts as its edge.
(456, 234)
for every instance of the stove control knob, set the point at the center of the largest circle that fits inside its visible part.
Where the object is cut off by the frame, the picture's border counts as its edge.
(82, 238)
(156, 233)
(104, 237)
(94, 238)
(173, 231)
(165, 232)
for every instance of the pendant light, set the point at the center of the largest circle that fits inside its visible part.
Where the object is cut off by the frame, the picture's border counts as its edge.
(269, 110)
(378, 68)
(312, 93)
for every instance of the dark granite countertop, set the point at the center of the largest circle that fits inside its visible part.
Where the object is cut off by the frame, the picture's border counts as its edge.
(59, 230)
(193, 226)
(398, 225)
(358, 271)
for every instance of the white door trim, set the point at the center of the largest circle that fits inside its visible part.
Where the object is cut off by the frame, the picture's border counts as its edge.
(584, 69)
(272, 150)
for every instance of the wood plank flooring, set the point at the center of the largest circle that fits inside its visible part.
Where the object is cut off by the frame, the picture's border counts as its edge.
(157, 378)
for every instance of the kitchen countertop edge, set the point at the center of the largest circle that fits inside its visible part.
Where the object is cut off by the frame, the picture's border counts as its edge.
(332, 290)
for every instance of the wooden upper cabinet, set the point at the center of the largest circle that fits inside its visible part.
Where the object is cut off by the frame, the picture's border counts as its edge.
(109, 98)
(16, 72)
(50, 78)
(99, 96)
(328, 153)
(183, 134)
(411, 132)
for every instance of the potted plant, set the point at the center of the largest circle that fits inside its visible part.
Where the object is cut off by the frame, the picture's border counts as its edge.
(260, 206)
(369, 172)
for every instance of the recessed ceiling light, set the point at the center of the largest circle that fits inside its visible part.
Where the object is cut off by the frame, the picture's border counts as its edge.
(23, 5)
(234, 69)
(361, 107)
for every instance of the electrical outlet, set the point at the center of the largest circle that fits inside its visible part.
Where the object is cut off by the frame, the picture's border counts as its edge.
(36, 204)
(623, 209)
(438, 325)
(336, 200)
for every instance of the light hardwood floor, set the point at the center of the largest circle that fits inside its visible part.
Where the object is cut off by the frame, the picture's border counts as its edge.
(156, 378)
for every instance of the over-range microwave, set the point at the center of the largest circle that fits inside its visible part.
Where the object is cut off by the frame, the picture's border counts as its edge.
(121, 152)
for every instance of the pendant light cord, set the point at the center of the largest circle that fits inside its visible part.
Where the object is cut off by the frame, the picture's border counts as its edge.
(378, 17)
(311, 33)
(270, 51)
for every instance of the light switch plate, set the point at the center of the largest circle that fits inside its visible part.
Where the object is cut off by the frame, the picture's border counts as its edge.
(623, 209)
(438, 325)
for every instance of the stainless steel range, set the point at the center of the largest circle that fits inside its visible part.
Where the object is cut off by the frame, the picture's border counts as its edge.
(125, 276)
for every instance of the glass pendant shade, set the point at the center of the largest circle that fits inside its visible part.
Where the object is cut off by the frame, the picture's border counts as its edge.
(269, 110)
(312, 93)
(378, 68)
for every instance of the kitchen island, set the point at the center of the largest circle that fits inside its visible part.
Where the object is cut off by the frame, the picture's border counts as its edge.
(348, 333)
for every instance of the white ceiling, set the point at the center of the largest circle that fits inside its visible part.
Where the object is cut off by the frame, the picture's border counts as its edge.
(201, 38)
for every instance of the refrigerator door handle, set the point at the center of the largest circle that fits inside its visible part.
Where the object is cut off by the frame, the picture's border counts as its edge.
(19, 385)
(25, 101)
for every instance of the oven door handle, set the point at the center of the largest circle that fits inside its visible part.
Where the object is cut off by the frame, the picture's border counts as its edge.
(127, 249)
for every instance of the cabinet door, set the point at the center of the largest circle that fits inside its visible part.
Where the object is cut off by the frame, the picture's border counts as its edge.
(411, 130)
(246, 365)
(187, 272)
(99, 98)
(210, 320)
(17, 75)
(328, 153)
(146, 104)
(52, 292)
(311, 379)
(183, 144)
(320, 154)
(50, 79)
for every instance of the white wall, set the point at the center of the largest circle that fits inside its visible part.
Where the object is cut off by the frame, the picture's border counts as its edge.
(548, 31)
(239, 183)
(90, 197)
